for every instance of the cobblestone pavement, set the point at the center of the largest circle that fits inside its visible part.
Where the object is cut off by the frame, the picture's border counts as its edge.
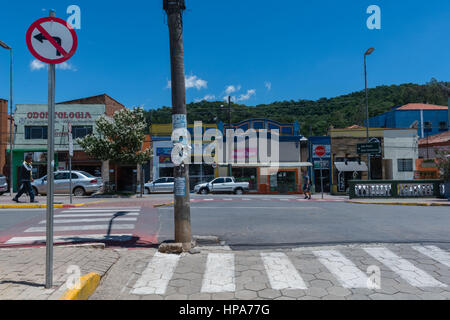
(350, 272)
(22, 271)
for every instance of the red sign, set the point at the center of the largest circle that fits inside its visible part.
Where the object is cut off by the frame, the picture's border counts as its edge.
(52, 40)
(320, 151)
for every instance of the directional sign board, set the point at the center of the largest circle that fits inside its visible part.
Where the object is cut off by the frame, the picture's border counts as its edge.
(52, 40)
(372, 148)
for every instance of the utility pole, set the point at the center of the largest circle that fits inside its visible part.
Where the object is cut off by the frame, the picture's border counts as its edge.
(182, 215)
(368, 52)
(230, 167)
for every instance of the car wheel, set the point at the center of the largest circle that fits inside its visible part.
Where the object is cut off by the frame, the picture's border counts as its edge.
(1, 193)
(147, 191)
(204, 191)
(79, 192)
(238, 191)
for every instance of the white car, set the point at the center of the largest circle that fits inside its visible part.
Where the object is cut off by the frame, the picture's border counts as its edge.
(161, 185)
(222, 185)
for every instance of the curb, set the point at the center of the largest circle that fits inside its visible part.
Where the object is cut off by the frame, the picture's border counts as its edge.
(419, 204)
(163, 204)
(44, 206)
(88, 284)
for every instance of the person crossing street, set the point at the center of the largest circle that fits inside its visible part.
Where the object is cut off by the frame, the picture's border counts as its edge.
(25, 179)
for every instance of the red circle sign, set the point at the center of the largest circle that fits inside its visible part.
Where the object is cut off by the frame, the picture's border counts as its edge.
(320, 151)
(52, 40)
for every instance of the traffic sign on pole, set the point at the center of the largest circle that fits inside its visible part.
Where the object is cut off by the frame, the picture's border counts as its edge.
(320, 151)
(53, 41)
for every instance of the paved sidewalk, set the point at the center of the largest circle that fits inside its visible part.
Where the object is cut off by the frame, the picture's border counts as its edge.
(22, 271)
(404, 202)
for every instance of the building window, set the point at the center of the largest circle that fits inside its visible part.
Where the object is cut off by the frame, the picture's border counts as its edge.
(428, 125)
(81, 131)
(443, 126)
(34, 133)
(405, 165)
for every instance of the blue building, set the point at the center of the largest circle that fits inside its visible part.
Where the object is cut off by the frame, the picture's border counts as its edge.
(428, 119)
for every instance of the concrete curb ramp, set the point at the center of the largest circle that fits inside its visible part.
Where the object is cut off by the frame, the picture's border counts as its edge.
(421, 204)
(88, 284)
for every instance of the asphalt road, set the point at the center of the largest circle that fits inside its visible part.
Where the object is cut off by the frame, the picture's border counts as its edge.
(276, 223)
(12, 217)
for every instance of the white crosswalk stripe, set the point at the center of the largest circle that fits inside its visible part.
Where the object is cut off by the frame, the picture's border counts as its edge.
(87, 215)
(281, 272)
(107, 222)
(434, 253)
(83, 228)
(348, 275)
(405, 269)
(219, 274)
(62, 221)
(156, 276)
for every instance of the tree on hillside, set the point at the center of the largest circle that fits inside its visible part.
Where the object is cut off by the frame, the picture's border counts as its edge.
(119, 138)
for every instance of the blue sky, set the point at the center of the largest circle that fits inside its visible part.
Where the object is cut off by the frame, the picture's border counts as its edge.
(267, 50)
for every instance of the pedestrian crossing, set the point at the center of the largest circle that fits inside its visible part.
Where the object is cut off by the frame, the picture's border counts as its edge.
(282, 270)
(84, 224)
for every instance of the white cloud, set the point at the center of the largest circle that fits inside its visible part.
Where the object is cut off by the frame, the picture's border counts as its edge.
(231, 89)
(268, 85)
(66, 66)
(246, 96)
(191, 82)
(36, 65)
(206, 98)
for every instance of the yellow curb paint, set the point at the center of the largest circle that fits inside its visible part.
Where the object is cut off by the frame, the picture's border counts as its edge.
(164, 204)
(44, 206)
(88, 284)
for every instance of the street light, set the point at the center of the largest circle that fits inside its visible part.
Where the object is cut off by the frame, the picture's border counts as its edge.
(368, 52)
(5, 46)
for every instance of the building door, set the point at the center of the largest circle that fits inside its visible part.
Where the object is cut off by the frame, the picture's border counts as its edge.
(326, 180)
(287, 181)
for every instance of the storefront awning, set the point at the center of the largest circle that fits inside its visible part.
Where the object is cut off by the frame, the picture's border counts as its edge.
(268, 165)
(351, 166)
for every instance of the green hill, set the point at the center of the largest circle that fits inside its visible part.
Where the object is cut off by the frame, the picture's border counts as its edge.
(338, 112)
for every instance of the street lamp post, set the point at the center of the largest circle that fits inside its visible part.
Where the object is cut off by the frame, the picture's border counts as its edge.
(5, 46)
(368, 52)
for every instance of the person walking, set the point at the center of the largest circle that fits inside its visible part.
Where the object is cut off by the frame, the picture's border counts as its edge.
(307, 186)
(25, 179)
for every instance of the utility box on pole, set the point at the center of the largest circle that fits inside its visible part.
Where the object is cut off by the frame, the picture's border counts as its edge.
(181, 153)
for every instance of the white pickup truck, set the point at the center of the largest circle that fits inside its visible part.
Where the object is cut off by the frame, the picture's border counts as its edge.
(223, 184)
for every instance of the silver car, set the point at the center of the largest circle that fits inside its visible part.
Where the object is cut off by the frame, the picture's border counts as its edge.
(161, 185)
(83, 183)
(3, 184)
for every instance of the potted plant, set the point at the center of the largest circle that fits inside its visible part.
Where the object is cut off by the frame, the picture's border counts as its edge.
(444, 165)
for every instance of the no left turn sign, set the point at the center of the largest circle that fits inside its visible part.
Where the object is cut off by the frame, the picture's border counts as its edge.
(52, 40)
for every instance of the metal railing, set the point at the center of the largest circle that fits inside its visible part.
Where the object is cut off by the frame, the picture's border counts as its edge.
(396, 189)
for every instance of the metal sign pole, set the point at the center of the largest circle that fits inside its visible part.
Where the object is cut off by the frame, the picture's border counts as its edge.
(70, 160)
(50, 177)
(321, 178)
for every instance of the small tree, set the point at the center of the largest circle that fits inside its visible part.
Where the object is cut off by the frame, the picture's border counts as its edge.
(119, 138)
(443, 161)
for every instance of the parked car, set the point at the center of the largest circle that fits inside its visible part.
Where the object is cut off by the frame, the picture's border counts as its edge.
(222, 185)
(161, 185)
(83, 183)
(3, 184)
